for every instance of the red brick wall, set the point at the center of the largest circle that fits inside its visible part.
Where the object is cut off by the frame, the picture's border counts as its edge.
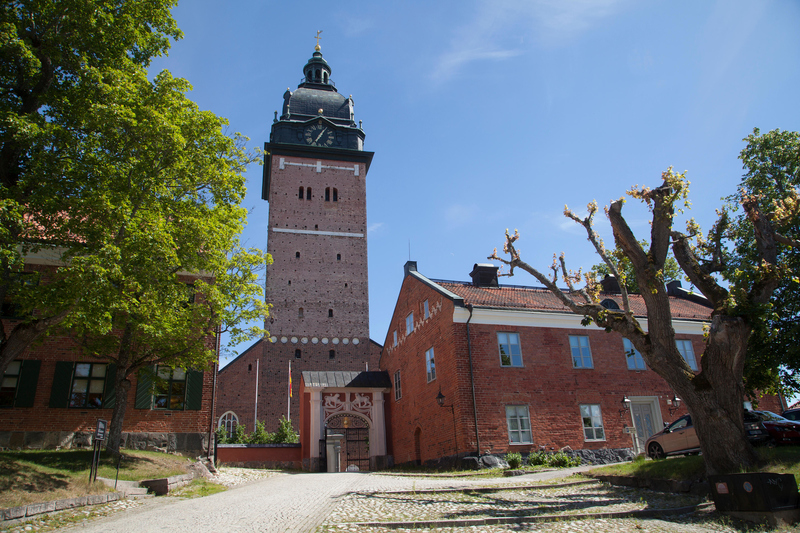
(546, 383)
(316, 281)
(263, 456)
(41, 417)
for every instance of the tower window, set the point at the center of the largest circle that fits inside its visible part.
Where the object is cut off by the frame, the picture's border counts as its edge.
(330, 313)
(316, 75)
(332, 354)
(338, 257)
(308, 193)
(325, 77)
(290, 282)
(327, 194)
(250, 368)
(300, 193)
(297, 255)
(298, 354)
(335, 194)
(316, 226)
(300, 313)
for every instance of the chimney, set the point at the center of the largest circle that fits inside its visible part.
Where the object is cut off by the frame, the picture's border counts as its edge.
(410, 266)
(610, 284)
(484, 275)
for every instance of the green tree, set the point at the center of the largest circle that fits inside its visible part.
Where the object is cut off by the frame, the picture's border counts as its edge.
(164, 273)
(714, 395)
(772, 179)
(54, 58)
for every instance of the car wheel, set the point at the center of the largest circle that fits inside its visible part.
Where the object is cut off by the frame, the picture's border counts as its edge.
(655, 451)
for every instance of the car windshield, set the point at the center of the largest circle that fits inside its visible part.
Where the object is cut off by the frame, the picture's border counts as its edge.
(770, 416)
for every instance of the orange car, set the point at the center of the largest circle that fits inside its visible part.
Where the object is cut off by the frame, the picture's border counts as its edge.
(679, 437)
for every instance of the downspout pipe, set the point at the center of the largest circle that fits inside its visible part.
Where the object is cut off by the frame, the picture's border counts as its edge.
(211, 432)
(472, 383)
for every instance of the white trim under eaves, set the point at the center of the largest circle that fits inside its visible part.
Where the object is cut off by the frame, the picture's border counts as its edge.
(453, 296)
(540, 319)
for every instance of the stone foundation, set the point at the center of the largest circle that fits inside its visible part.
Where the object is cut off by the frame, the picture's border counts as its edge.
(189, 443)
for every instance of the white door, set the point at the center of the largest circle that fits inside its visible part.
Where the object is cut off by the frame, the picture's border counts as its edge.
(643, 421)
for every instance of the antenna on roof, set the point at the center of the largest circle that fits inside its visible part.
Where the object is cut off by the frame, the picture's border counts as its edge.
(409, 249)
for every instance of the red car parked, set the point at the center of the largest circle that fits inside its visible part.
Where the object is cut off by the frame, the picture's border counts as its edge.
(782, 430)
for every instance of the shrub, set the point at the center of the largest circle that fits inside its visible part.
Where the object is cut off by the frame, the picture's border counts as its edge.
(537, 459)
(260, 435)
(239, 435)
(222, 435)
(514, 460)
(557, 460)
(286, 433)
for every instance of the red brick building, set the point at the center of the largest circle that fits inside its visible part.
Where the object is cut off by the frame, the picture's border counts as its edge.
(52, 396)
(315, 182)
(518, 372)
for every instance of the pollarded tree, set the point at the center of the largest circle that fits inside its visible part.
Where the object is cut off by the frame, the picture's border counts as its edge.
(714, 395)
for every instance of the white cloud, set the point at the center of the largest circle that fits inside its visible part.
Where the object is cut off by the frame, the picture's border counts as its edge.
(372, 228)
(498, 28)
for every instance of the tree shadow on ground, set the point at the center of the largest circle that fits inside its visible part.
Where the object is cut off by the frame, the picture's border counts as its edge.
(17, 476)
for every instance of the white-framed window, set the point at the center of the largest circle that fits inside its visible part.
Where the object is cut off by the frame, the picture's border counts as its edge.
(687, 351)
(430, 365)
(592, 422)
(229, 421)
(394, 334)
(426, 312)
(398, 392)
(581, 354)
(632, 356)
(9, 382)
(510, 354)
(519, 424)
(409, 323)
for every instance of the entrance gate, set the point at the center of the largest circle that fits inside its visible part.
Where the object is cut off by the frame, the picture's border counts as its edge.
(355, 446)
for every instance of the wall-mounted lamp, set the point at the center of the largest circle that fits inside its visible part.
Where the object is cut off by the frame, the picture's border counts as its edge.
(626, 405)
(440, 398)
(674, 404)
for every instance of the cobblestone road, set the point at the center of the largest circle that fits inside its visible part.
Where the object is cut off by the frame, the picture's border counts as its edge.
(279, 502)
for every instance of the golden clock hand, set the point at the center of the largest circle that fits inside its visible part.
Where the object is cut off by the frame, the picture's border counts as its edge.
(320, 134)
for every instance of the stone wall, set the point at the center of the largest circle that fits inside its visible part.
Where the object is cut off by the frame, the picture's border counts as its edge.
(188, 443)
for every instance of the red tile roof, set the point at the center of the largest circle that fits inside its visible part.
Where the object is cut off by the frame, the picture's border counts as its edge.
(540, 299)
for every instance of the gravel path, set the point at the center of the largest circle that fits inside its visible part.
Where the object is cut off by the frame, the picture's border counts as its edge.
(263, 500)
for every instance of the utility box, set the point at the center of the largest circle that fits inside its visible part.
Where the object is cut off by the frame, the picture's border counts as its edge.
(759, 492)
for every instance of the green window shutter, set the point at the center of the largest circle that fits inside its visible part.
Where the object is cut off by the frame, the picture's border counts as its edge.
(26, 386)
(144, 387)
(62, 381)
(194, 390)
(109, 390)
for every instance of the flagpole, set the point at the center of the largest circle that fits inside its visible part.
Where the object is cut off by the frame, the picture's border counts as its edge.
(289, 399)
(255, 408)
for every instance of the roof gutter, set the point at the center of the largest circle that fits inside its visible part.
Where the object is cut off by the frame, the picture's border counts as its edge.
(472, 383)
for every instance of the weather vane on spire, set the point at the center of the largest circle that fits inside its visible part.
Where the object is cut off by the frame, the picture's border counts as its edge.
(317, 47)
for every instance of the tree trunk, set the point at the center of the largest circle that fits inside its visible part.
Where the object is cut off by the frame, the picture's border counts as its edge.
(121, 386)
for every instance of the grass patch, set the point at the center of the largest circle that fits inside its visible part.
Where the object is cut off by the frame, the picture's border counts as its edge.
(781, 460)
(199, 488)
(34, 476)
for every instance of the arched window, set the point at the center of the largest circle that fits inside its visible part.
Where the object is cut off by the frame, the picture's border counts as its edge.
(325, 77)
(332, 354)
(229, 421)
(338, 257)
(300, 194)
(335, 195)
(298, 354)
(300, 313)
(297, 255)
(330, 313)
(308, 193)
(327, 194)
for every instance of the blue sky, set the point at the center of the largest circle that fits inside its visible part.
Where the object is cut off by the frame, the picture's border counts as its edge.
(486, 115)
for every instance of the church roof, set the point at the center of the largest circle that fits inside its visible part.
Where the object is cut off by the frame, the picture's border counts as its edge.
(341, 379)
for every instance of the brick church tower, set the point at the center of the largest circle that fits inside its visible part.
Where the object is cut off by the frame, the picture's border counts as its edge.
(315, 182)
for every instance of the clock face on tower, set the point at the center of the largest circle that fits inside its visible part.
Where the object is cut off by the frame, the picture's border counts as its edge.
(319, 135)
